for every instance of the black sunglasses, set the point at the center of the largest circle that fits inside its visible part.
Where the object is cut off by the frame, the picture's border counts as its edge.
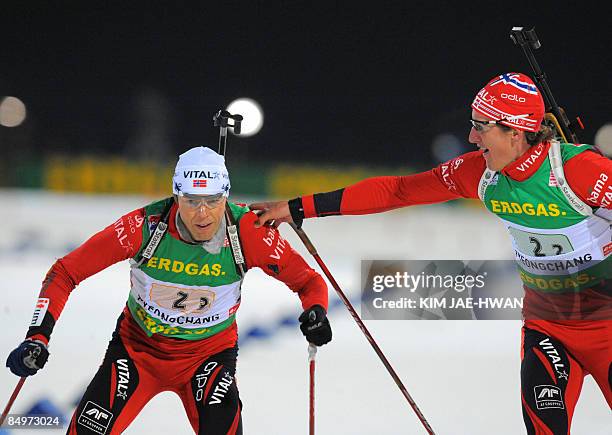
(479, 126)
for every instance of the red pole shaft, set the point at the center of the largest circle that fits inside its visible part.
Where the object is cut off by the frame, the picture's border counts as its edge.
(312, 352)
(11, 400)
(312, 401)
(300, 232)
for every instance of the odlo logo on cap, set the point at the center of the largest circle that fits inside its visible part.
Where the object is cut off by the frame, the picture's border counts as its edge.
(512, 97)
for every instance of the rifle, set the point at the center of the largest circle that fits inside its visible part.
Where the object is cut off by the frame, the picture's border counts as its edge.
(555, 115)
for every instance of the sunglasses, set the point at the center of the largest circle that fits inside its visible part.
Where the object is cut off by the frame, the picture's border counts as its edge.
(481, 126)
(196, 202)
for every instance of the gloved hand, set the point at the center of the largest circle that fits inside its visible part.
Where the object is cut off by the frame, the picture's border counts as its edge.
(315, 325)
(29, 357)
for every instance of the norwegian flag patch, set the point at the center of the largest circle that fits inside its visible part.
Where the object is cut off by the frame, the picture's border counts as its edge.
(514, 80)
(199, 183)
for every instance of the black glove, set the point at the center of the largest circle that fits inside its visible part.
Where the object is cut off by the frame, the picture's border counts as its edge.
(315, 325)
(29, 357)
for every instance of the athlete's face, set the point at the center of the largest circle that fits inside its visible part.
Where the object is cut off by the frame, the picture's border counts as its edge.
(202, 214)
(500, 147)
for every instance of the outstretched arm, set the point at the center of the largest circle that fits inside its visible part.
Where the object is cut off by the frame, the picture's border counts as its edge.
(454, 179)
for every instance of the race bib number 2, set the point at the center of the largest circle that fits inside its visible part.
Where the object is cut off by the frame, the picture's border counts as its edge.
(541, 245)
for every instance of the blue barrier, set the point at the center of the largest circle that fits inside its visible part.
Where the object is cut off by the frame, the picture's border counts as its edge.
(47, 408)
(287, 320)
(254, 333)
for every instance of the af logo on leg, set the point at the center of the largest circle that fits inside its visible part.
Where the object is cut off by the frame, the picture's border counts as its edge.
(95, 418)
(548, 397)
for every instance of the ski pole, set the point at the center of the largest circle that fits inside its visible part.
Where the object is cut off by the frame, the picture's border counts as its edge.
(11, 400)
(312, 353)
(313, 251)
(221, 120)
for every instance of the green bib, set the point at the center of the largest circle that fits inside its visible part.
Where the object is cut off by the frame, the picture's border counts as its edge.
(560, 245)
(184, 291)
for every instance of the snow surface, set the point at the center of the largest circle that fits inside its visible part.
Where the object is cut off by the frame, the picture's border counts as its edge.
(464, 375)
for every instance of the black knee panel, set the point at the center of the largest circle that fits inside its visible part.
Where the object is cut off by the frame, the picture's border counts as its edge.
(545, 371)
(216, 393)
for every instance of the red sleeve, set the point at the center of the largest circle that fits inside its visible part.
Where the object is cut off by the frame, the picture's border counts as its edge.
(589, 174)
(265, 248)
(119, 241)
(457, 178)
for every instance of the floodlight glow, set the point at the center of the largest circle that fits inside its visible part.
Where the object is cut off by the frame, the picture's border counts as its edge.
(12, 112)
(251, 112)
(603, 139)
(445, 146)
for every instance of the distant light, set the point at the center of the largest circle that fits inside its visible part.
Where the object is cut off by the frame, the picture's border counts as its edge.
(446, 146)
(12, 112)
(252, 113)
(603, 139)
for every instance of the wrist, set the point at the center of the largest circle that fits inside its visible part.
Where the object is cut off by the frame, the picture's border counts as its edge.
(296, 210)
(39, 338)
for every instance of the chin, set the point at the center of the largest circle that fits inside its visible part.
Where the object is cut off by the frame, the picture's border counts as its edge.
(493, 166)
(202, 237)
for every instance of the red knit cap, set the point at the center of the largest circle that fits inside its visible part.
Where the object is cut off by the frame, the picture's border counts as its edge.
(513, 99)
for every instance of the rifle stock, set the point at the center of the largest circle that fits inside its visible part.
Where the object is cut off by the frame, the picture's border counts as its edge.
(566, 129)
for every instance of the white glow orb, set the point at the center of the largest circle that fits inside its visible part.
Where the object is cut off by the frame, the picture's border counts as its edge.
(12, 112)
(251, 112)
(445, 146)
(603, 139)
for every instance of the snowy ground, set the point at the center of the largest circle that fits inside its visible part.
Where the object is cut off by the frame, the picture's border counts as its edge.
(462, 374)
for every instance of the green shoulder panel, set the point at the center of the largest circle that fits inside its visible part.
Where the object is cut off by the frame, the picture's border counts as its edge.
(569, 150)
(238, 210)
(155, 208)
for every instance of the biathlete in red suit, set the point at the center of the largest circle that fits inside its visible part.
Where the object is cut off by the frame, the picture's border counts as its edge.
(178, 331)
(556, 201)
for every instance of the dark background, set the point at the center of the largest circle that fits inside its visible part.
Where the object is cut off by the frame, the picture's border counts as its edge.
(339, 82)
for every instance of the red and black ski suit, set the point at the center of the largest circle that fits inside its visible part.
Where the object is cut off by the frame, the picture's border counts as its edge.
(136, 366)
(580, 347)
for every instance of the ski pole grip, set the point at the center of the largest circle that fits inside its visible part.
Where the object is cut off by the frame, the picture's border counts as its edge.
(305, 240)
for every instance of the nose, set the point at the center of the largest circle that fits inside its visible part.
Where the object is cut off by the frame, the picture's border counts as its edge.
(474, 136)
(202, 210)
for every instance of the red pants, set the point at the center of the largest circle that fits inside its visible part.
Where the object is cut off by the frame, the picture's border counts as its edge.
(137, 367)
(556, 356)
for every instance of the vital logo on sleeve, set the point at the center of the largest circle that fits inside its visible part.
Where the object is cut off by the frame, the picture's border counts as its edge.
(39, 311)
(601, 192)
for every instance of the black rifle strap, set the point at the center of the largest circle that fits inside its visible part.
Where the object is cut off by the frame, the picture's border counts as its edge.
(156, 235)
(233, 237)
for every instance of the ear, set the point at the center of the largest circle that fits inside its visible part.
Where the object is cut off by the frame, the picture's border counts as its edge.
(517, 137)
